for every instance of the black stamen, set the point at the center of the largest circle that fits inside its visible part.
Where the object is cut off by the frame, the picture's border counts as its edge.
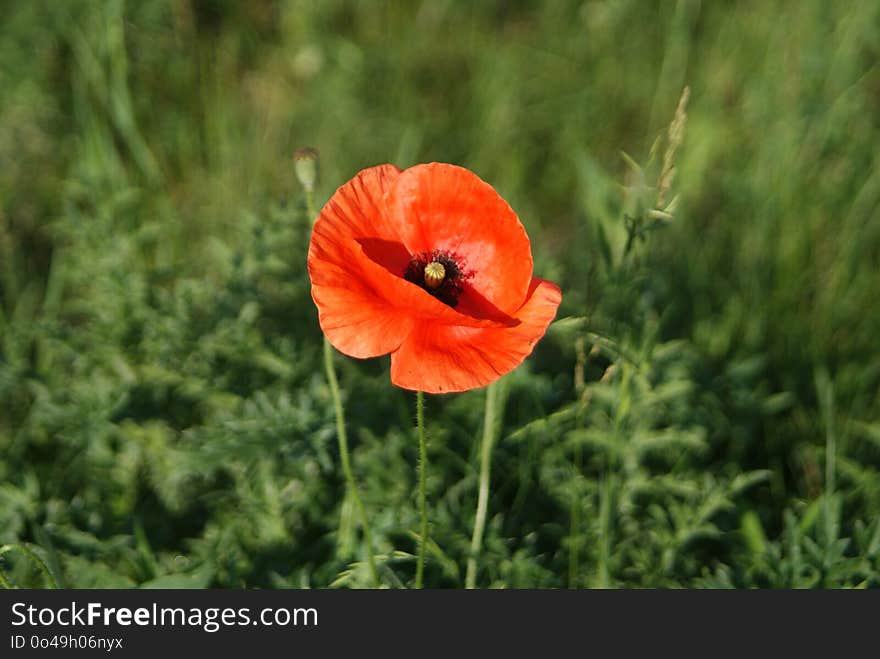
(451, 287)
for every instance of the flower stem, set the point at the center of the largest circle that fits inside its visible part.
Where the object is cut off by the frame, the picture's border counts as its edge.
(489, 424)
(574, 535)
(346, 462)
(423, 505)
(310, 206)
(574, 526)
(341, 435)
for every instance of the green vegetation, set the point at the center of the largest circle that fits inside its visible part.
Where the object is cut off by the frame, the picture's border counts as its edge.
(707, 414)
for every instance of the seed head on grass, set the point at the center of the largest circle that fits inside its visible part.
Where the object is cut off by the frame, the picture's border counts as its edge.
(674, 138)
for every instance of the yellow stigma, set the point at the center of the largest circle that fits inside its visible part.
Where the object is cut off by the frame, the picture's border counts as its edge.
(434, 274)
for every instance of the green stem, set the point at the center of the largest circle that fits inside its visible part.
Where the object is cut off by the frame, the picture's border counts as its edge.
(423, 505)
(574, 548)
(5, 549)
(346, 461)
(489, 424)
(827, 396)
(603, 572)
(574, 535)
(341, 435)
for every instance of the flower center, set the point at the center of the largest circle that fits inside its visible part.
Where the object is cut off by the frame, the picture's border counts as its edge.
(439, 273)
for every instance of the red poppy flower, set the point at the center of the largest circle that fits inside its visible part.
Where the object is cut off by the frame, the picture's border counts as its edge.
(431, 265)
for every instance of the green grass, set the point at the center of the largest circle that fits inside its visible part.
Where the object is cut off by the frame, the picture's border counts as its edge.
(709, 415)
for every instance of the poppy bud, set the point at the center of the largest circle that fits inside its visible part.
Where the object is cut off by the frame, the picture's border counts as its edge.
(305, 165)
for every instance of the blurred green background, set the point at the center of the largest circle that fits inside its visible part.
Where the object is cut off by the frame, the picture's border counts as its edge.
(707, 415)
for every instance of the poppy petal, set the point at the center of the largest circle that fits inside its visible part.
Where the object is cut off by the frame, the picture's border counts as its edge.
(359, 325)
(444, 207)
(354, 319)
(359, 204)
(441, 359)
(356, 263)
